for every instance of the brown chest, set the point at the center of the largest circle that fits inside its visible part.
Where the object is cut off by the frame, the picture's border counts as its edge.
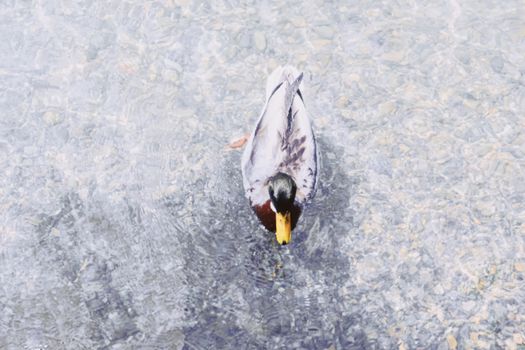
(267, 216)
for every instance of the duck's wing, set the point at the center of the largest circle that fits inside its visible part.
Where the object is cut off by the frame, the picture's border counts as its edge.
(264, 150)
(301, 152)
(281, 141)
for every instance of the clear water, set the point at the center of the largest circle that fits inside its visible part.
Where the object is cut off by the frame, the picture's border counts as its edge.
(123, 223)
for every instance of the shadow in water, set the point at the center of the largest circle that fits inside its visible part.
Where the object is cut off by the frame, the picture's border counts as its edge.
(65, 246)
(248, 292)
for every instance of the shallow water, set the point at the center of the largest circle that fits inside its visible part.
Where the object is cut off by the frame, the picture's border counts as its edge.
(124, 223)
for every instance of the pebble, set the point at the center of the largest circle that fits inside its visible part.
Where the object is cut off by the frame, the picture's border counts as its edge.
(298, 22)
(30, 150)
(486, 207)
(387, 108)
(321, 43)
(325, 32)
(52, 118)
(468, 306)
(452, 342)
(497, 64)
(260, 40)
(342, 101)
(394, 56)
(170, 75)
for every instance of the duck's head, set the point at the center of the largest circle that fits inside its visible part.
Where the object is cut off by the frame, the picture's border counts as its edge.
(282, 190)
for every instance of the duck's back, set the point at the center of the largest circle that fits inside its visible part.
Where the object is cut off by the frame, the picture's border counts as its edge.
(282, 140)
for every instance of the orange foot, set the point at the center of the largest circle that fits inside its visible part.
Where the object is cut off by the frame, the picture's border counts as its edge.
(240, 142)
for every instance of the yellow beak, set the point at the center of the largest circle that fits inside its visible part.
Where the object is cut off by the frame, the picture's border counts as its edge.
(283, 228)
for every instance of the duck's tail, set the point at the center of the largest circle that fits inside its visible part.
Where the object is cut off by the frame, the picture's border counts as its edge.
(282, 75)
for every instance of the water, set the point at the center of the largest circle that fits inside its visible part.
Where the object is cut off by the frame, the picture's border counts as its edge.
(124, 223)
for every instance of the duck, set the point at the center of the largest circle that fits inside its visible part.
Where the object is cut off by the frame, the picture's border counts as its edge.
(279, 163)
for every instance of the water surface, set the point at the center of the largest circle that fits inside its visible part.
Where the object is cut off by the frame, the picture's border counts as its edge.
(124, 224)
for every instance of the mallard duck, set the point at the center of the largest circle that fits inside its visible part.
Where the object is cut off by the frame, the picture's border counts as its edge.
(279, 163)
